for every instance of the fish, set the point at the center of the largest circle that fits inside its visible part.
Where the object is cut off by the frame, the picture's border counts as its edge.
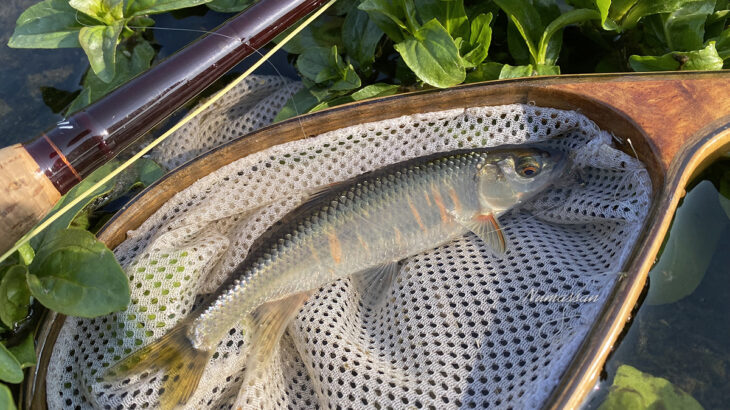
(362, 227)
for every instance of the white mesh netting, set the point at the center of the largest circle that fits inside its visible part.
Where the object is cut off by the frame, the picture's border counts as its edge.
(460, 327)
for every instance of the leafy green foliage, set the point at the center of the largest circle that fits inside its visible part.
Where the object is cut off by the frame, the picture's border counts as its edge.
(109, 31)
(100, 45)
(49, 24)
(705, 59)
(75, 274)
(14, 296)
(6, 398)
(635, 390)
(25, 352)
(432, 55)
(66, 269)
(10, 370)
(360, 36)
(440, 43)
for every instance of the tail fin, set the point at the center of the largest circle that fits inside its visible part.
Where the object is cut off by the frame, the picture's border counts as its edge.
(174, 353)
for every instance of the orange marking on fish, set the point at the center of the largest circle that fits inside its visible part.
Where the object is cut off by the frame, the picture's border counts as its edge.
(440, 204)
(428, 198)
(363, 243)
(335, 248)
(313, 250)
(455, 199)
(416, 215)
(398, 237)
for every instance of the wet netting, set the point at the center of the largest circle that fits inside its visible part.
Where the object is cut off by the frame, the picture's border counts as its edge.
(459, 328)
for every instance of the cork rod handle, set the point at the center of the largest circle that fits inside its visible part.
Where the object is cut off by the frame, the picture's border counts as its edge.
(26, 194)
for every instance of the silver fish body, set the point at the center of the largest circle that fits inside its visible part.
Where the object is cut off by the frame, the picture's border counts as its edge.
(376, 219)
(365, 225)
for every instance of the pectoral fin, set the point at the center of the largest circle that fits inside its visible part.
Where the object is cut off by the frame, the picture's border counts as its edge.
(269, 322)
(486, 227)
(376, 281)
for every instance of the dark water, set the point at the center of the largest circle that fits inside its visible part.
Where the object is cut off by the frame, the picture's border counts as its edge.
(686, 341)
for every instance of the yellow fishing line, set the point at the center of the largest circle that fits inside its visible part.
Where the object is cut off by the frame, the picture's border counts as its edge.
(35, 231)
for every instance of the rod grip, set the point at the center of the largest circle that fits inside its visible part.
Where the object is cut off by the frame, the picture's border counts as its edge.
(26, 194)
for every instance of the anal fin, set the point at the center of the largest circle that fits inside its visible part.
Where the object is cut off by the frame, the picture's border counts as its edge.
(376, 281)
(269, 323)
(486, 227)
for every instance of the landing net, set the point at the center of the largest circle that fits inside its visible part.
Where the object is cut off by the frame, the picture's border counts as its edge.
(460, 328)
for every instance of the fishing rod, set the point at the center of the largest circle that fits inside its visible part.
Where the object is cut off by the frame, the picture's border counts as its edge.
(34, 174)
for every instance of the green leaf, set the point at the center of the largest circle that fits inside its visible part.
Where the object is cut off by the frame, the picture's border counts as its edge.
(26, 253)
(571, 17)
(388, 15)
(371, 91)
(349, 81)
(450, 13)
(716, 22)
(374, 90)
(633, 389)
(106, 11)
(667, 62)
(516, 44)
(100, 45)
(603, 7)
(342, 7)
(685, 27)
(433, 56)
(705, 59)
(127, 66)
(14, 296)
(698, 225)
(6, 398)
(526, 20)
(229, 6)
(64, 221)
(48, 24)
(299, 103)
(360, 36)
(75, 274)
(619, 8)
(145, 171)
(10, 370)
(484, 72)
(723, 44)
(643, 8)
(141, 7)
(319, 64)
(547, 69)
(509, 71)
(25, 352)
(479, 40)
(326, 31)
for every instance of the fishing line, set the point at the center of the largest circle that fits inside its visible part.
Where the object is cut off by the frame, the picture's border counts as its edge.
(199, 109)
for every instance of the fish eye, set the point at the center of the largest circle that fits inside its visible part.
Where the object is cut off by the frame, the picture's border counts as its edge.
(528, 167)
